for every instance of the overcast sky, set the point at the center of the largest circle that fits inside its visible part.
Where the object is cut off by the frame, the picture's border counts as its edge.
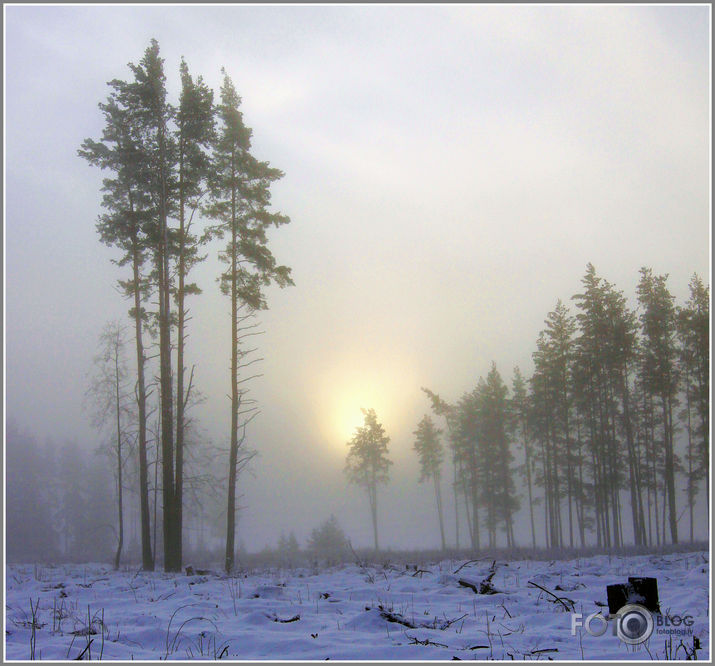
(450, 170)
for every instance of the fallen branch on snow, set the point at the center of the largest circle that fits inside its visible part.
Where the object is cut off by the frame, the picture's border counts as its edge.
(465, 564)
(426, 641)
(484, 587)
(561, 600)
(275, 618)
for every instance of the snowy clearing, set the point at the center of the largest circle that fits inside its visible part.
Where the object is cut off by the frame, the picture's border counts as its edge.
(349, 612)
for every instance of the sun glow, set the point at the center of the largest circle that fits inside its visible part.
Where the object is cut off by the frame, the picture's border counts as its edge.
(343, 411)
(349, 417)
(347, 384)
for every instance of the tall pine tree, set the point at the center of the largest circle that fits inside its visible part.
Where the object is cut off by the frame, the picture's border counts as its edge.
(660, 371)
(127, 225)
(431, 452)
(193, 136)
(240, 200)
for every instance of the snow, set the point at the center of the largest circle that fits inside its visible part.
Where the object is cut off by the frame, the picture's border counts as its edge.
(349, 612)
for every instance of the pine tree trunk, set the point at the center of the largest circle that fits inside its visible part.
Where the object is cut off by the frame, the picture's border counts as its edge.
(475, 516)
(691, 482)
(438, 497)
(704, 410)
(120, 510)
(552, 490)
(167, 426)
(466, 497)
(172, 563)
(544, 474)
(531, 500)
(235, 396)
(372, 491)
(665, 504)
(580, 508)
(569, 457)
(179, 481)
(652, 455)
(527, 464)
(670, 468)
(231, 510)
(147, 557)
(596, 485)
(630, 443)
(656, 520)
(156, 493)
(639, 487)
(456, 504)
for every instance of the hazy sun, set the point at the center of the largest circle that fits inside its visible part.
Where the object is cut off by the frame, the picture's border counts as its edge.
(350, 384)
(349, 417)
(344, 411)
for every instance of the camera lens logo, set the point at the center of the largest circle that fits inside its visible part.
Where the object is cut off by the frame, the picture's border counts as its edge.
(634, 624)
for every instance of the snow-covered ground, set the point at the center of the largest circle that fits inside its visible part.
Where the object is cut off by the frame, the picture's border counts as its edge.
(349, 612)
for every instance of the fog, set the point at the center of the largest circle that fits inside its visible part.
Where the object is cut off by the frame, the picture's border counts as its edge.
(449, 173)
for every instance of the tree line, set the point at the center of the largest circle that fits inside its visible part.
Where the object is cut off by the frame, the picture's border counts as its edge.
(611, 429)
(170, 166)
(582, 447)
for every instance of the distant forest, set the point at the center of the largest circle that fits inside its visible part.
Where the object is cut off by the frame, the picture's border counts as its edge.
(607, 443)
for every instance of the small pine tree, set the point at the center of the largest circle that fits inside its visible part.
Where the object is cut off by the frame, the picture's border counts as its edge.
(288, 549)
(328, 541)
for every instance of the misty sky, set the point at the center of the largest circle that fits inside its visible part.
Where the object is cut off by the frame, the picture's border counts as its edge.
(449, 173)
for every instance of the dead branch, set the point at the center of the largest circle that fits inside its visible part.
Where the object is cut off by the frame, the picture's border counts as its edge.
(80, 656)
(448, 623)
(275, 618)
(390, 616)
(426, 641)
(466, 563)
(188, 388)
(561, 600)
(248, 379)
